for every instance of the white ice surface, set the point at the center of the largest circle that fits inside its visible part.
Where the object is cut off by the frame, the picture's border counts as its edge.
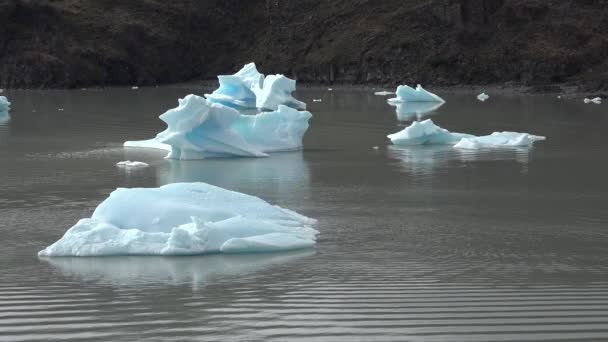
(408, 94)
(482, 97)
(184, 219)
(131, 164)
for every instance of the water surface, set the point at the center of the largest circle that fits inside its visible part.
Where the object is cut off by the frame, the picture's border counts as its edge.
(416, 244)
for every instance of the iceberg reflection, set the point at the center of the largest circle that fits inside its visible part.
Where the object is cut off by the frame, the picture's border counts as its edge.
(408, 111)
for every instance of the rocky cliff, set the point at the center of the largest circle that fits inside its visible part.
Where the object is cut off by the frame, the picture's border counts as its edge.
(77, 43)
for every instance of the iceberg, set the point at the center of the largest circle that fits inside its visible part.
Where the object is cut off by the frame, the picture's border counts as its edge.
(384, 93)
(427, 133)
(131, 164)
(249, 89)
(482, 97)
(199, 129)
(184, 219)
(596, 100)
(408, 94)
(4, 108)
(407, 111)
(499, 139)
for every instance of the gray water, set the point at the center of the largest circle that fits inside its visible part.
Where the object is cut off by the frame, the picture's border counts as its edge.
(416, 244)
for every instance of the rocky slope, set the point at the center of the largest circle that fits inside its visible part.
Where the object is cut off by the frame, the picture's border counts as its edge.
(76, 43)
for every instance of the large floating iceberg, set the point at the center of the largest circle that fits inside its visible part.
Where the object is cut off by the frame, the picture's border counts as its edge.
(199, 128)
(248, 89)
(4, 108)
(427, 133)
(408, 94)
(184, 219)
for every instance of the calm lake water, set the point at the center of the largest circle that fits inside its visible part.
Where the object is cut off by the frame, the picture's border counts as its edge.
(416, 244)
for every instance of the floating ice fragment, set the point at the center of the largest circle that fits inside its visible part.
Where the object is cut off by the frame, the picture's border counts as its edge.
(184, 219)
(330, 89)
(482, 97)
(131, 164)
(384, 93)
(60, 109)
(317, 100)
(596, 100)
(408, 94)
(427, 133)
(5, 106)
(135, 88)
(376, 147)
(199, 128)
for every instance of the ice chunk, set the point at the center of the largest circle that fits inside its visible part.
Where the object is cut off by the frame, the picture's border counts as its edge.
(407, 111)
(482, 97)
(184, 219)
(384, 93)
(131, 164)
(276, 91)
(199, 129)
(4, 109)
(248, 89)
(317, 100)
(499, 139)
(596, 100)
(408, 94)
(426, 133)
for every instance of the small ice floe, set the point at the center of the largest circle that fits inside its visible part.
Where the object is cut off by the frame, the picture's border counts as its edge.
(317, 100)
(559, 96)
(131, 164)
(330, 89)
(406, 93)
(384, 93)
(482, 97)
(596, 100)
(135, 88)
(376, 148)
(184, 219)
(60, 109)
(427, 133)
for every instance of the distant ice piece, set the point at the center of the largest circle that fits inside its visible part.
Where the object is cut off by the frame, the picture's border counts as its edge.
(199, 128)
(131, 164)
(408, 94)
(5, 106)
(482, 97)
(135, 87)
(317, 100)
(499, 139)
(248, 89)
(184, 219)
(427, 133)
(384, 93)
(596, 100)
(407, 111)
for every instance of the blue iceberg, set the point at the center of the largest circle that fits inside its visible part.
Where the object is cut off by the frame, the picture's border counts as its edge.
(199, 128)
(249, 89)
(184, 219)
(4, 108)
(408, 94)
(427, 133)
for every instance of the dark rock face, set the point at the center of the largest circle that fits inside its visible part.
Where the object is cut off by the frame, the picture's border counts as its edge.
(74, 43)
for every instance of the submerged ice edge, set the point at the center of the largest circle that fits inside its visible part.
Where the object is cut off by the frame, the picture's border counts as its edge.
(184, 219)
(199, 128)
(427, 133)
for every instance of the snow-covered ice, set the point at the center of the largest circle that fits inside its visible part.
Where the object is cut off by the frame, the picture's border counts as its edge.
(384, 93)
(248, 89)
(482, 97)
(407, 111)
(199, 128)
(408, 94)
(131, 164)
(184, 219)
(427, 133)
(596, 100)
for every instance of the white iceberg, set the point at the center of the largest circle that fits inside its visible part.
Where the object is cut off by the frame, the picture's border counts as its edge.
(5, 106)
(184, 219)
(596, 100)
(408, 94)
(248, 89)
(407, 111)
(384, 93)
(499, 139)
(482, 97)
(199, 128)
(131, 164)
(427, 133)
